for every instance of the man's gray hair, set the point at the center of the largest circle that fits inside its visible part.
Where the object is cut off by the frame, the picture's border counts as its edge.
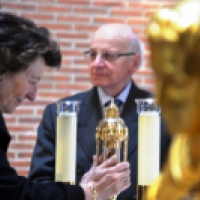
(137, 46)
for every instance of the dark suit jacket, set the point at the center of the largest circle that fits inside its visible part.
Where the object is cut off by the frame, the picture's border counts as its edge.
(14, 187)
(89, 116)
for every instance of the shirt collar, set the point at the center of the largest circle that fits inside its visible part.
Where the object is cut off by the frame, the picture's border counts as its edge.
(122, 96)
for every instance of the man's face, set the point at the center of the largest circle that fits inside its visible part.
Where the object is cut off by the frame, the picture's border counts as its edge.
(178, 92)
(111, 75)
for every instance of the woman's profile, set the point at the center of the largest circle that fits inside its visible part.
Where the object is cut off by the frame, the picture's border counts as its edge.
(25, 50)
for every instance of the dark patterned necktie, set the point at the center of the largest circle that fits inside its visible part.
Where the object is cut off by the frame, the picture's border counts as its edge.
(117, 102)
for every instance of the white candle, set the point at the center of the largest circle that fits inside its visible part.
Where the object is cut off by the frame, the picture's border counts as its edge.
(66, 147)
(148, 147)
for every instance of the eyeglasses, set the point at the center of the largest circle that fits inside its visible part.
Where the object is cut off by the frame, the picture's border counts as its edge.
(105, 55)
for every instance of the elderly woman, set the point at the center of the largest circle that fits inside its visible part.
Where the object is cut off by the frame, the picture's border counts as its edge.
(25, 50)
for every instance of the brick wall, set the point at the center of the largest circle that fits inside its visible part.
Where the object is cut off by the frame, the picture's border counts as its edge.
(71, 22)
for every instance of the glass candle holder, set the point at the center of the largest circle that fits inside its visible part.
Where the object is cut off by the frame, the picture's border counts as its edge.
(148, 143)
(66, 132)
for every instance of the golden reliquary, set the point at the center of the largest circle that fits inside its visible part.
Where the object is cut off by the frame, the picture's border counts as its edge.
(112, 136)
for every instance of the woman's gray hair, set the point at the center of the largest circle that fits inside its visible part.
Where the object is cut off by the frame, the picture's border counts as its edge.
(22, 42)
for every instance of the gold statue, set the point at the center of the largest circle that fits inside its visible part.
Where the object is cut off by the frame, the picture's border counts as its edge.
(174, 36)
(111, 136)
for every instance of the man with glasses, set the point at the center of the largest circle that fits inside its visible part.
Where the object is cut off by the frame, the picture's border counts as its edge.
(114, 56)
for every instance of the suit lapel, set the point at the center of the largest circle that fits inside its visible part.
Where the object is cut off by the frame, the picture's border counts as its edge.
(130, 116)
(88, 120)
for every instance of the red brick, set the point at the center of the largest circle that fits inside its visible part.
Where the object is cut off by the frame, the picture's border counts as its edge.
(56, 26)
(25, 155)
(20, 146)
(150, 81)
(82, 79)
(138, 21)
(20, 163)
(86, 27)
(65, 61)
(11, 155)
(46, 85)
(128, 13)
(104, 20)
(36, 103)
(59, 77)
(10, 119)
(40, 111)
(27, 137)
(22, 172)
(30, 120)
(23, 111)
(107, 3)
(40, 2)
(19, 6)
(64, 43)
(82, 45)
(54, 8)
(85, 62)
(135, 5)
(64, 18)
(15, 128)
(72, 53)
(75, 35)
(72, 86)
(36, 16)
(74, 2)
(137, 80)
(75, 70)
(53, 94)
(89, 11)
(144, 72)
